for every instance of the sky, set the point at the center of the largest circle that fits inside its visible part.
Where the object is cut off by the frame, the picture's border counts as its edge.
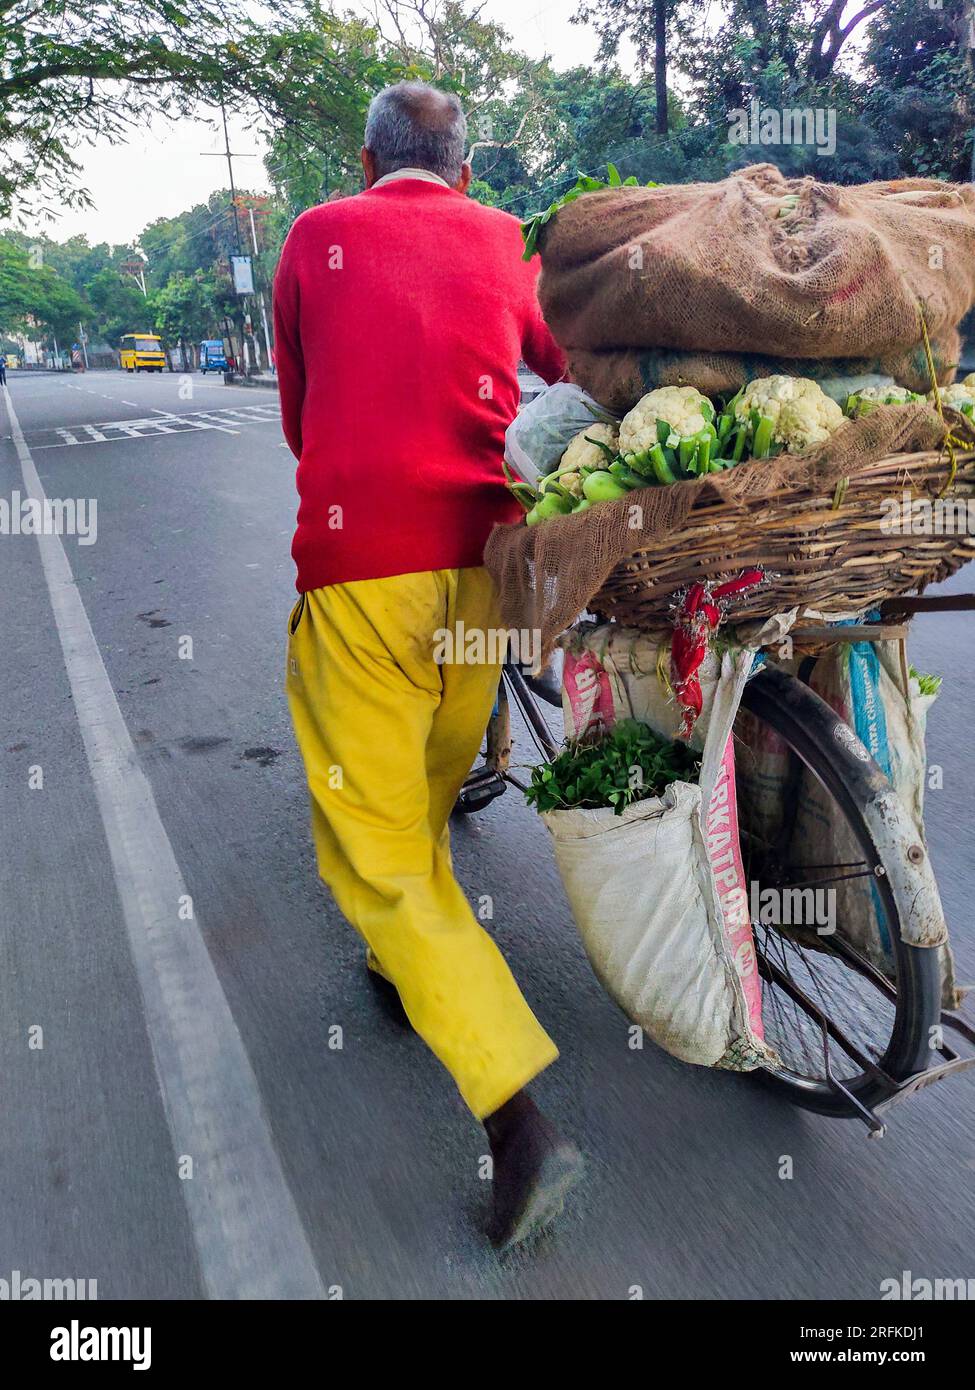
(172, 165)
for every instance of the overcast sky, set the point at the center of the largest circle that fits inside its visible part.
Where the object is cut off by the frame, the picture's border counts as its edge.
(165, 171)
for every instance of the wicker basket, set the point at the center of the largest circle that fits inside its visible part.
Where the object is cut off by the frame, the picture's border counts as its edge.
(827, 559)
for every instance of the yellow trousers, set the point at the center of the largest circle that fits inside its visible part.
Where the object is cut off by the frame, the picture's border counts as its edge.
(388, 735)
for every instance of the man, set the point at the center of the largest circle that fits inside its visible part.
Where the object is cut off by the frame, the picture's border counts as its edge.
(400, 316)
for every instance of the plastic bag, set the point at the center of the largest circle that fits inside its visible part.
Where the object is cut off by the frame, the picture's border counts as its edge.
(541, 432)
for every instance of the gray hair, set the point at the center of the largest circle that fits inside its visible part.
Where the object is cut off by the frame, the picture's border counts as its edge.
(412, 125)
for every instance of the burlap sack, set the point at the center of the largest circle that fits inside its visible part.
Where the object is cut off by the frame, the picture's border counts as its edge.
(714, 267)
(547, 574)
(618, 379)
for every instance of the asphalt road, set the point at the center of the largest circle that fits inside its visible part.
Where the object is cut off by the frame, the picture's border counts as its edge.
(368, 1179)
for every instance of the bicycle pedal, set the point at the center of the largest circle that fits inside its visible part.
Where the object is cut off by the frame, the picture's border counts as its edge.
(481, 788)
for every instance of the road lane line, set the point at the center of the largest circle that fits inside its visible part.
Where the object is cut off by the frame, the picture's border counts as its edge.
(248, 1234)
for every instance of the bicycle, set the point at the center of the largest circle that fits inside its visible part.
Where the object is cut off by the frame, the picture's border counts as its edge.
(852, 1043)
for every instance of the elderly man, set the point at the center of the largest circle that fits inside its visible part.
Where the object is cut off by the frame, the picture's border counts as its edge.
(400, 317)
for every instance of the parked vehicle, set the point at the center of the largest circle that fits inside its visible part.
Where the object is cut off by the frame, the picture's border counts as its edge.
(142, 352)
(212, 356)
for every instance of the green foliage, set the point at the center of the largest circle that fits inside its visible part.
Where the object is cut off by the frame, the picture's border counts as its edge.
(183, 310)
(333, 68)
(585, 183)
(629, 764)
(117, 306)
(34, 299)
(77, 69)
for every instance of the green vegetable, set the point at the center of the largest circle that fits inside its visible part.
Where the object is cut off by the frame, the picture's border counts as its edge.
(629, 764)
(531, 228)
(929, 685)
(762, 439)
(704, 453)
(550, 486)
(687, 453)
(630, 478)
(524, 494)
(662, 469)
(610, 452)
(552, 504)
(602, 487)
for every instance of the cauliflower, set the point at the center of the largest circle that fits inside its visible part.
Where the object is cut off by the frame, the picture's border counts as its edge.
(683, 408)
(572, 482)
(960, 396)
(788, 410)
(589, 451)
(862, 402)
(582, 453)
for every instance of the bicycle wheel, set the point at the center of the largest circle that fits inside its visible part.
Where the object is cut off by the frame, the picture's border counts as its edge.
(828, 1011)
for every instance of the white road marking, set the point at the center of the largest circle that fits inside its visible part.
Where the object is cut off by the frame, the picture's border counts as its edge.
(149, 427)
(205, 415)
(196, 415)
(248, 1234)
(96, 434)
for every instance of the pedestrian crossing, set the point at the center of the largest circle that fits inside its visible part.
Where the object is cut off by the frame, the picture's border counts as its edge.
(226, 419)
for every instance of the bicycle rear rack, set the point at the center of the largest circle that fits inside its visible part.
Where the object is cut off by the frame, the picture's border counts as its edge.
(894, 1090)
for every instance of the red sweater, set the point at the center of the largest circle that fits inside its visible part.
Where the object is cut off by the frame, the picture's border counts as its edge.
(400, 315)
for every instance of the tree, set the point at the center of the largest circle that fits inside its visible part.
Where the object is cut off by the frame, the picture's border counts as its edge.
(186, 309)
(118, 306)
(34, 299)
(80, 69)
(646, 26)
(18, 287)
(921, 88)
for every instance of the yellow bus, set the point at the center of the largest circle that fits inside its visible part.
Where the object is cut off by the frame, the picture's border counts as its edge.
(142, 352)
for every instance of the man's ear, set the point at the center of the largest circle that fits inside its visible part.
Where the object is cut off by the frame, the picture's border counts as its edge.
(463, 183)
(368, 166)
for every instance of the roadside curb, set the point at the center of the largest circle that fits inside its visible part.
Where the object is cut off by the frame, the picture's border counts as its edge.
(269, 383)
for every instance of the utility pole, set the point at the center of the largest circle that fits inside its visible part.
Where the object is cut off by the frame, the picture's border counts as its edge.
(83, 338)
(135, 270)
(260, 293)
(230, 157)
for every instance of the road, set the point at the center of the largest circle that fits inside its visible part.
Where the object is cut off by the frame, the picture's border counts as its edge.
(366, 1176)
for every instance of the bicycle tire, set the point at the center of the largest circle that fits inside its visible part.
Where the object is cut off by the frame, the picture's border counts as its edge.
(808, 725)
